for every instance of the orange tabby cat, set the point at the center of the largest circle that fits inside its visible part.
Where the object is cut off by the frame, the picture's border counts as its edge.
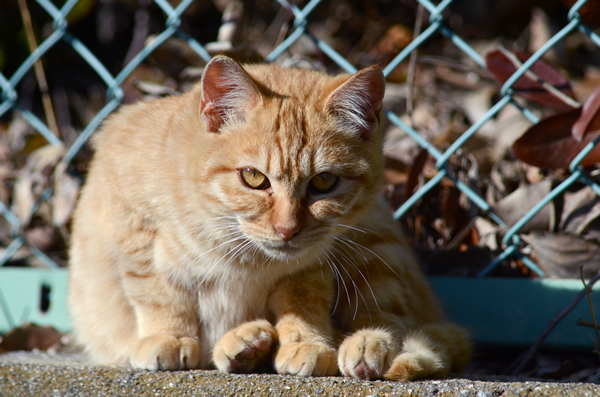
(239, 225)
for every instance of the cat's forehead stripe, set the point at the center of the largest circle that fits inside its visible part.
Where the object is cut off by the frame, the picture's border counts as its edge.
(289, 151)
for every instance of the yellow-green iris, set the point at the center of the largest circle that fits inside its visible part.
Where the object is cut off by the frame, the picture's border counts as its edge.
(323, 183)
(254, 179)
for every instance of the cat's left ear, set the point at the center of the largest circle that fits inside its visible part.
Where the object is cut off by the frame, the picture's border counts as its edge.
(228, 93)
(357, 102)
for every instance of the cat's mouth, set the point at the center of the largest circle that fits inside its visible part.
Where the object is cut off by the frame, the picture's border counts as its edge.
(286, 250)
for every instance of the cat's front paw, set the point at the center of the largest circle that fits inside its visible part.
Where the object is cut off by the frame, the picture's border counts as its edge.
(244, 347)
(306, 359)
(367, 354)
(166, 352)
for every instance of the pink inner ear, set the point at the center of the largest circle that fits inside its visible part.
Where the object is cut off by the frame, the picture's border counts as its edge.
(227, 93)
(211, 116)
(357, 102)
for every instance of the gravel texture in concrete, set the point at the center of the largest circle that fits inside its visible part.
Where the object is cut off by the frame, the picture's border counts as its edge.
(43, 374)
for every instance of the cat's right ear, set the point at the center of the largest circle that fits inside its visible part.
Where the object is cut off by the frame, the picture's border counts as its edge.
(228, 93)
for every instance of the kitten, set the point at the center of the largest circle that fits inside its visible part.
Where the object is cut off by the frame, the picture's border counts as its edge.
(239, 225)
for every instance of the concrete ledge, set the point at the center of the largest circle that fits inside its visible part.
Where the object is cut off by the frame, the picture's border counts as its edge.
(28, 374)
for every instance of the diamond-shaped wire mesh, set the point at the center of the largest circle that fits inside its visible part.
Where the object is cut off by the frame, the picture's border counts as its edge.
(300, 16)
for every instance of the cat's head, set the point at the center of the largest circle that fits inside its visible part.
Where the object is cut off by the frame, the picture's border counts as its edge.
(289, 158)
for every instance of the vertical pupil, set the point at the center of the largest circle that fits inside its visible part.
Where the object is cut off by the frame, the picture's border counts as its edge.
(254, 178)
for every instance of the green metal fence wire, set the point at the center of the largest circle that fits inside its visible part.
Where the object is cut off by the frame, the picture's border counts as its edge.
(114, 96)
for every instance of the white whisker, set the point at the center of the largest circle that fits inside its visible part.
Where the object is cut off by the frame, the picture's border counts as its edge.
(239, 237)
(356, 289)
(208, 273)
(372, 253)
(359, 272)
(358, 229)
(338, 275)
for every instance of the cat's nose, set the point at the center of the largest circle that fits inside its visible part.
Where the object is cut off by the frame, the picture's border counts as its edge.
(287, 233)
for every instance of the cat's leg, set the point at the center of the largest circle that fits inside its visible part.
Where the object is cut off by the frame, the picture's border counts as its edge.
(398, 330)
(167, 323)
(166, 318)
(368, 353)
(125, 310)
(164, 300)
(102, 317)
(245, 347)
(301, 304)
(431, 351)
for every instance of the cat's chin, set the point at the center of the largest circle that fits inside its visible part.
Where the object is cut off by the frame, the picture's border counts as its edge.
(283, 251)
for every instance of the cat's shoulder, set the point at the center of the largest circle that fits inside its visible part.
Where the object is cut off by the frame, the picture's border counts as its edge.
(145, 118)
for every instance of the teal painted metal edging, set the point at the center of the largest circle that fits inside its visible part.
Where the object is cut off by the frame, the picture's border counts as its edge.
(34, 295)
(513, 312)
(499, 312)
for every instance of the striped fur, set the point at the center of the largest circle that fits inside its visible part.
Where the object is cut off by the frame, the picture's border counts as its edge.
(175, 263)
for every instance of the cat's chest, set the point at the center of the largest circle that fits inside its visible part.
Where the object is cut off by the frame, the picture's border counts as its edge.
(224, 306)
(237, 299)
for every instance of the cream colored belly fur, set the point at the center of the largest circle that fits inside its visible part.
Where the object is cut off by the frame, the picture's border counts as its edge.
(224, 308)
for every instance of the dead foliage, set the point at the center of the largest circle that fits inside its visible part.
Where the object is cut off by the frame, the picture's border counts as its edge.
(31, 337)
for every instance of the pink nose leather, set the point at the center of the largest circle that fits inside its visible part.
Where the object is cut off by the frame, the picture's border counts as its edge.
(286, 233)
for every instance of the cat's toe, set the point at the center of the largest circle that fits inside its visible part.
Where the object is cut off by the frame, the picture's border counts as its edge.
(244, 347)
(189, 353)
(166, 352)
(367, 354)
(411, 365)
(306, 359)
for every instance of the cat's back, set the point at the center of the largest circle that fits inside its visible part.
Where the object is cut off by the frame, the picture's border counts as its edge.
(138, 150)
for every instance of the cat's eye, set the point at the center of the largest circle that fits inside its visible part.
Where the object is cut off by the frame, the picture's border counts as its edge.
(254, 179)
(323, 183)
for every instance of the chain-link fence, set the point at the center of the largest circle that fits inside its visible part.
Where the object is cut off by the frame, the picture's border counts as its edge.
(511, 247)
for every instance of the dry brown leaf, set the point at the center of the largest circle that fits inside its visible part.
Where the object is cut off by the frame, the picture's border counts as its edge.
(42, 237)
(66, 191)
(23, 197)
(154, 89)
(547, 90)
(6, 172)
(453, 214)
(18, 131)
(395, 39)
(488, 233)
(579, 210)
(589, 117)
(590, 11)
(29, 337)
(561, 255)
(34, 178)
(514, 206)
(416, 170)
(549, 144)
